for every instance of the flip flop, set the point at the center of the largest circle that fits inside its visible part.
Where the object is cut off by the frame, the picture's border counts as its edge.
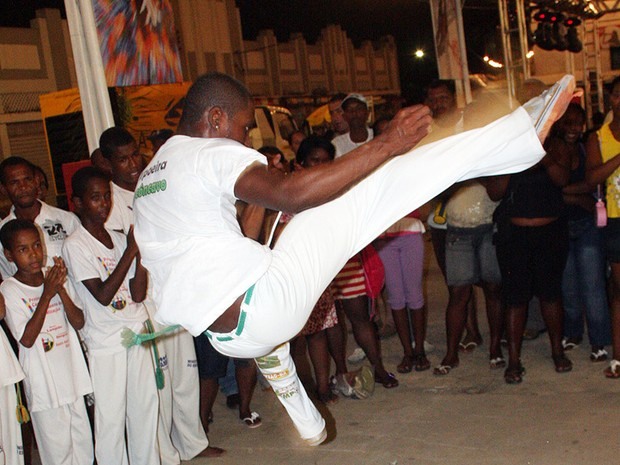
(253, 421)
(444, 369)
(598, 355)
(406, 364)
(497, 362)
(613, 370)
(420, 362)
(468, 346)
(570, 344)
(562, 363)
(388, 382)
(514, 375)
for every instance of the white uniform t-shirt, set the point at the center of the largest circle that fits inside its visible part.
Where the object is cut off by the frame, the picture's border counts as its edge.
(187, 230)
(344, 144)
(121, 214)
(10, 370)
(55, 368)
(87, 258)
(54, 224)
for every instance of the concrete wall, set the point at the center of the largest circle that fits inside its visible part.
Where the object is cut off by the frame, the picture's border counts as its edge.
(33, 61)
(331, 65)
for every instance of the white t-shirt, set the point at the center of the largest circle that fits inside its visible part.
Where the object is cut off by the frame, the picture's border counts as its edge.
(121, 214)
(55, 368)
(87, 258)
(344, 144)
(54, 224)
(187, 230)
(10, 369)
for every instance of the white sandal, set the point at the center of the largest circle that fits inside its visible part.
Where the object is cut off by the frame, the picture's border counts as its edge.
(253, 421)
(613, 370)
(598, 356)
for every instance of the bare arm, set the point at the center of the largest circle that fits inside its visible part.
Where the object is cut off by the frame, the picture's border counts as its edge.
(75, 315)
(580, 187)
(308, 188)
(251, 219)
(54, 280)
(597, 172)
(496, 186)
(104, 291)
(138, 285)
(557, 162)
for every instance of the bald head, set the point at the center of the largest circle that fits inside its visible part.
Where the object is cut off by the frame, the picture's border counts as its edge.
(211, 90)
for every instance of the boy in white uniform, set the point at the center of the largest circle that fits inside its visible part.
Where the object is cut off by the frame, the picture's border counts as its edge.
(11, 448)
(180, 432)
(19, 183)
(251, 299)
(43, 317)
(110, 282)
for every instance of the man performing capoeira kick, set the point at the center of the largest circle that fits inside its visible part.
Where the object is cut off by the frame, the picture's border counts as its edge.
(251, 300)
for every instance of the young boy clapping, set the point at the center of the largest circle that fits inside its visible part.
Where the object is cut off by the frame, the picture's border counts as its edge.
(43, 317)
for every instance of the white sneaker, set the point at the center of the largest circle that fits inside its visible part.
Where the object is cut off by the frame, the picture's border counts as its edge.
(357, 356)
(549, 106)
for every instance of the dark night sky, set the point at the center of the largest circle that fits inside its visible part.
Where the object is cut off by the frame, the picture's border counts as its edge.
(408, 21)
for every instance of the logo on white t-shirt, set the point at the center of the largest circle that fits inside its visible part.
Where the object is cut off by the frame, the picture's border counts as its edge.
(119, 303)
(48, 341)
(54, 229)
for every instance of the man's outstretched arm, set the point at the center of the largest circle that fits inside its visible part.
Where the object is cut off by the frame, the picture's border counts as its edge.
(300, 190)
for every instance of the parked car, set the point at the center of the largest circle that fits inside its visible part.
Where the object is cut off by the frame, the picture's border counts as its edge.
(274, 125)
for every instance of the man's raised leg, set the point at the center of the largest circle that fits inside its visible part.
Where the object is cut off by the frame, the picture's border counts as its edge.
(278, 368)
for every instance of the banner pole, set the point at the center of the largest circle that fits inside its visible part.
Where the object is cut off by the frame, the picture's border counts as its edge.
(96, 107)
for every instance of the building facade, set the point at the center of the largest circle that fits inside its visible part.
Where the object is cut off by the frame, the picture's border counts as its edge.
(39, 60)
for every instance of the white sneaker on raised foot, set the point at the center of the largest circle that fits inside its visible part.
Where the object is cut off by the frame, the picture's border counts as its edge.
(318, 439)
(549, 106)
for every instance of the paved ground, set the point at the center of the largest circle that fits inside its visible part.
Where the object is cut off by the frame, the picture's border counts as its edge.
(468, 417)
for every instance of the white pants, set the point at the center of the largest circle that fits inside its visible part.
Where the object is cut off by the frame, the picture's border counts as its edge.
(317, 243)
(11, 447)
(181, 404)
(125, 400)
(63, 435)
(179, 431)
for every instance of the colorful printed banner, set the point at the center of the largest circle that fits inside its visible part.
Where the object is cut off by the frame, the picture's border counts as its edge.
(138, 42)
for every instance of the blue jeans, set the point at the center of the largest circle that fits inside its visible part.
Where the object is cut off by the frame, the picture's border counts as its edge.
(583, 284)
(471, 256)
(228, 383)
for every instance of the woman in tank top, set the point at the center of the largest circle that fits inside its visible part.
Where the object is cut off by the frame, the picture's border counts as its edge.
(603, 166)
